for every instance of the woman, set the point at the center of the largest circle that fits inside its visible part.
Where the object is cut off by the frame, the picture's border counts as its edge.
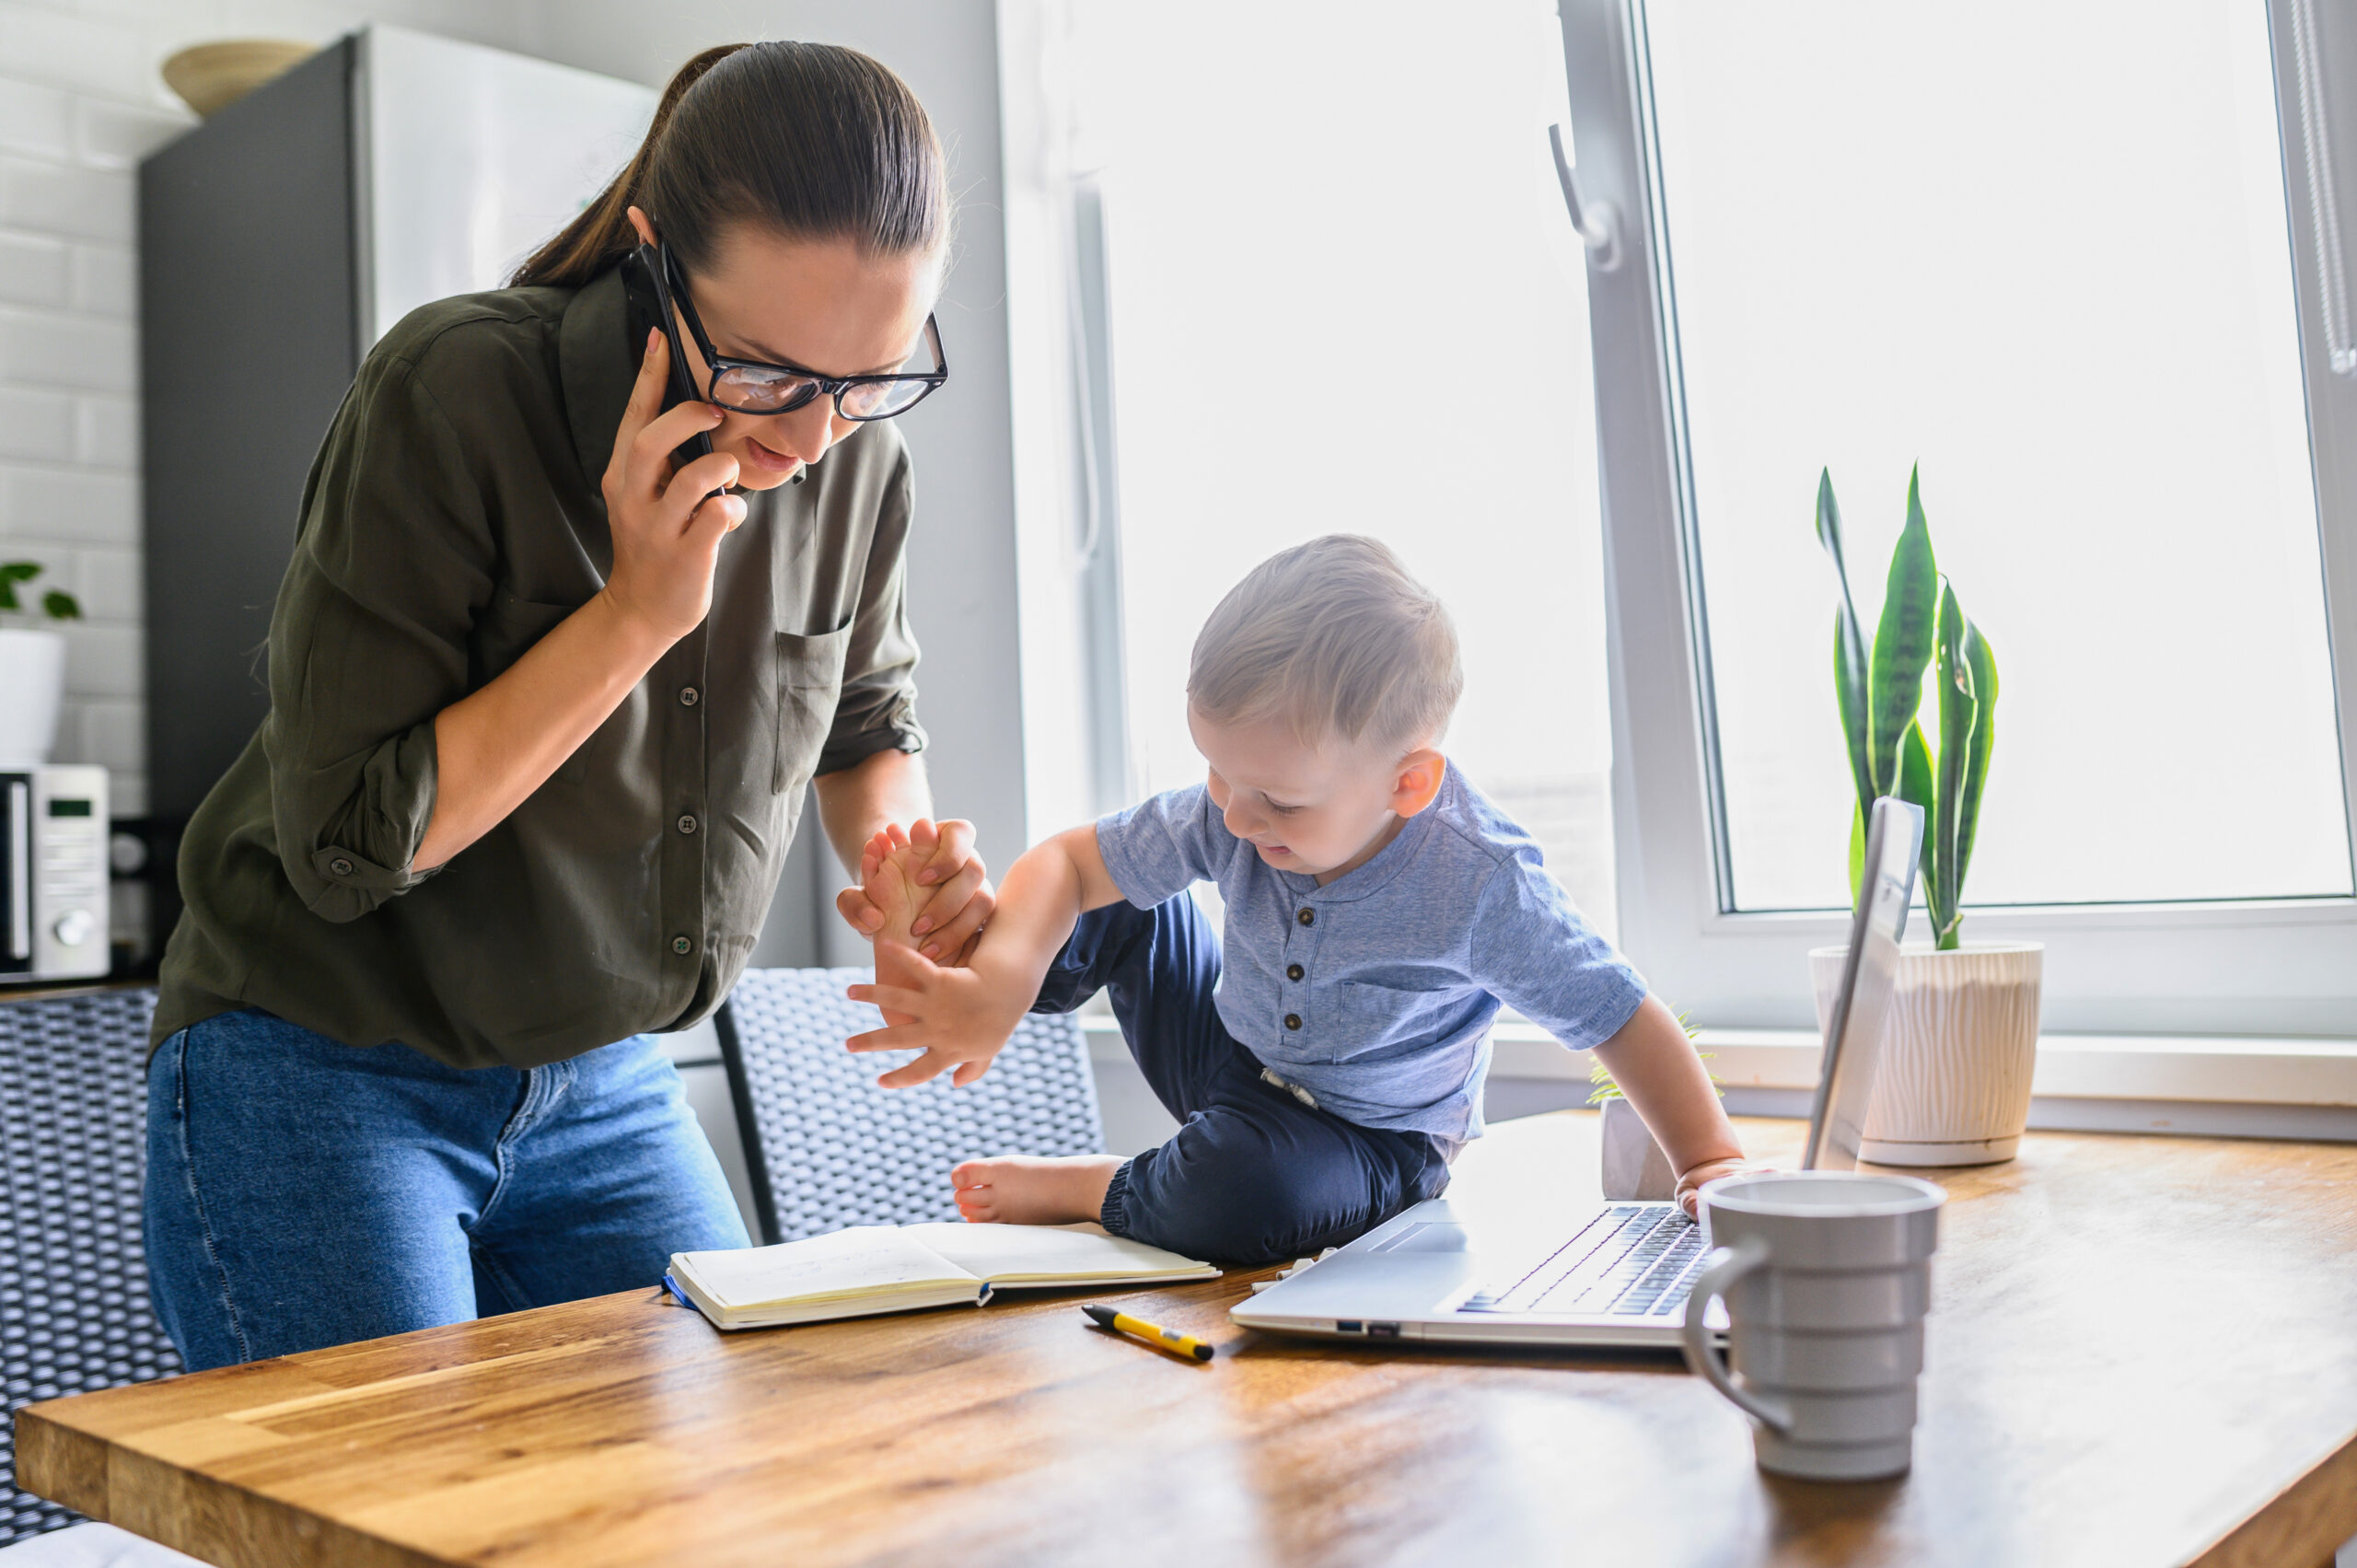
(543, 703)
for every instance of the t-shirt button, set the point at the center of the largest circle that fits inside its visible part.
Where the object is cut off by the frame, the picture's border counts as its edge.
(689, 696)
(682, 945)
(1293, 1022)
(340, 866)
(1307, 917)
(1295, 971)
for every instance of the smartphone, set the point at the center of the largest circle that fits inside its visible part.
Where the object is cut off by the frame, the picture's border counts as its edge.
(647, 305)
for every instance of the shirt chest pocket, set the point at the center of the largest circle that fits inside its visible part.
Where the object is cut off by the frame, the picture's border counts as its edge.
(809, 682)
(1367, 1015)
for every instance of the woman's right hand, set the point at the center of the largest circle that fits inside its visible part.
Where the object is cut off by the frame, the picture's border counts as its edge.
(666, 526)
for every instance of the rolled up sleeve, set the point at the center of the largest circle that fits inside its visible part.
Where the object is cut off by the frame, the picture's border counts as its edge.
(371, 639)
(875, 708)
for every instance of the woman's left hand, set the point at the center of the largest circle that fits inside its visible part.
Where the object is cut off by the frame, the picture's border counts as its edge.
(960, 900)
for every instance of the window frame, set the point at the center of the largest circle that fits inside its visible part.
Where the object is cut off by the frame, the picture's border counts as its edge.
(2256, 968)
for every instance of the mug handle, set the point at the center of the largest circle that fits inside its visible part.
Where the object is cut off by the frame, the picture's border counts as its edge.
(1721, 1270)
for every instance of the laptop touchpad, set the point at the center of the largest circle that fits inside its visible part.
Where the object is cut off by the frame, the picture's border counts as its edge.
(1436, 1236)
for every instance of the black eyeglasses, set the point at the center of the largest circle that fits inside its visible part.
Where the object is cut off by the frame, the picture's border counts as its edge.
(751, 386)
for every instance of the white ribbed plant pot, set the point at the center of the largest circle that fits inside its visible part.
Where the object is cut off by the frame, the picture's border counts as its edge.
(1959, 1050)
(32, 679)
(1634, 1167)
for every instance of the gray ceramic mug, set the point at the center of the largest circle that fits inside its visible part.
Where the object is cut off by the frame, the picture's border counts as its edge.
(1827, 1276)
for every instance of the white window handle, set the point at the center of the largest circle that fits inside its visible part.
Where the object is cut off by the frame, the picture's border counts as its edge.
(2324, 205)
(1598, 221)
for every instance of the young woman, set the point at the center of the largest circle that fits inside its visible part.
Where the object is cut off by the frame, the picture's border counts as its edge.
(544, 698)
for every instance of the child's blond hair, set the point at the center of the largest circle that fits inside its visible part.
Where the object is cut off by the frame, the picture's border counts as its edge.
(1336, 638)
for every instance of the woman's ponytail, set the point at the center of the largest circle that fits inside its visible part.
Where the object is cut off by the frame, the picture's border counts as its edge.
(809, 139)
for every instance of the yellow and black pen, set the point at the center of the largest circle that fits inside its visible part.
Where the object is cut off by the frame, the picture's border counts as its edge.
(1171, 1340)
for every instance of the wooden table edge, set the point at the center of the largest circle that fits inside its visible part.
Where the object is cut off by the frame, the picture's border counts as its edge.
(2309, 1521)
(186, 1511)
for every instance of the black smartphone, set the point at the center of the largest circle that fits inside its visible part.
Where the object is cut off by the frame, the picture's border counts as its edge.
(647, 305)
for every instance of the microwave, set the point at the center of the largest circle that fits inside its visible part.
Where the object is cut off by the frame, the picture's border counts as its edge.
(53, 874)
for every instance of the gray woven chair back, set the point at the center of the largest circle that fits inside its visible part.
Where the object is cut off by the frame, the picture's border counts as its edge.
(827, 1148)
(73, 1312)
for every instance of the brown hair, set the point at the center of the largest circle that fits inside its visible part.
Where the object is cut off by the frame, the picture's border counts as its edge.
(812, 140)
(1335, 637)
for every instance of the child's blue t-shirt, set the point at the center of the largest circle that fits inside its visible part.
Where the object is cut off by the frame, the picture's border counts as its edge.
(1401, 964)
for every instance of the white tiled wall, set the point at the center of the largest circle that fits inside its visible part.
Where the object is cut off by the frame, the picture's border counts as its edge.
(81, 99)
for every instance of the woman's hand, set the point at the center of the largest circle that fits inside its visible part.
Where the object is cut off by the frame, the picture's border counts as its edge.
(666, 526)
(958, 897)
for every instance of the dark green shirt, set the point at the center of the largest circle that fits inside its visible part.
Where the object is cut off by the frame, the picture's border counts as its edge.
(451, 518)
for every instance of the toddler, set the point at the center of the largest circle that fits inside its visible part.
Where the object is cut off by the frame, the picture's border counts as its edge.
(1326, 1058)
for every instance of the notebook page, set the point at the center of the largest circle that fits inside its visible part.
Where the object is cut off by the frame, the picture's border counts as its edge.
(1040, 1254)
(861, 1260)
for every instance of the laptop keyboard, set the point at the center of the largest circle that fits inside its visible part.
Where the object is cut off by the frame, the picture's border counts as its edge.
(1631, 1260)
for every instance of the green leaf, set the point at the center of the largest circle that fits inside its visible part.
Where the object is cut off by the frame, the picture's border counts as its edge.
(1983, 665)
(1902, 642)
(61, 605)
(1850, 675)
(11, 574)
(1959, 709)
(1857, 849)
(1915, 786)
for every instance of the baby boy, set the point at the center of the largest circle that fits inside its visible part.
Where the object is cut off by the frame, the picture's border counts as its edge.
(1326, 1056)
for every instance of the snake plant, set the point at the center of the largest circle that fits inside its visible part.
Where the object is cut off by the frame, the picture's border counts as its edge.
(1879, 687)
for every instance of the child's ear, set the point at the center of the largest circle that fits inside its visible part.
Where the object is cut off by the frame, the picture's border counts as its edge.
(1417, 784)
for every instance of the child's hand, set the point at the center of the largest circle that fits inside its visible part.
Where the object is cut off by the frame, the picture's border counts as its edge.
(1690, 1185)
(959, 1018)
(954, 898)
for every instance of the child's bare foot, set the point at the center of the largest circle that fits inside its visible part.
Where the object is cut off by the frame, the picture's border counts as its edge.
(1031, 1189)
(892, 889)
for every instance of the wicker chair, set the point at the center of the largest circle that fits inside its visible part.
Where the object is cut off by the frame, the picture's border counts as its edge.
(827, 1148)
(73, 1309)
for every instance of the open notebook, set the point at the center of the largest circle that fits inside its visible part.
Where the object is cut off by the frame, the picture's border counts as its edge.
(871, 1268)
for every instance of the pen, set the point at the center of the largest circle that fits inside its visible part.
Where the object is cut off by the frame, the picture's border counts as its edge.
(1169, 1340)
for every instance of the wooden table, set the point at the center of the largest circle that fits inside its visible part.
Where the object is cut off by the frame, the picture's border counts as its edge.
(2143, 1351)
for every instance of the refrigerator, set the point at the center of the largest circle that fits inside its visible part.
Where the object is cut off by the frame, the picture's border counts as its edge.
(278, 240)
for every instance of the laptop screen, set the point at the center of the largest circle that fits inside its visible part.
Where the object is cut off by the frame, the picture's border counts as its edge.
(1853, 1034)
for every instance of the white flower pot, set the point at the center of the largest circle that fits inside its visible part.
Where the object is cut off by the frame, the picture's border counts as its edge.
(1635, 1168)
(32, 678)
(1959, 1049)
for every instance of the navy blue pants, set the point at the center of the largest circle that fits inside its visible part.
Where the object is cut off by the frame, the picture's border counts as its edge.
(1253, 1175)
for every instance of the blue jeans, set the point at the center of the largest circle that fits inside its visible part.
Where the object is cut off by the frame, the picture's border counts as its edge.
(303, 1192)
(1253, 1175)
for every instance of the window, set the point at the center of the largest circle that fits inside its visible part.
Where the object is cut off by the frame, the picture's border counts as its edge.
(2083, 264)
(1343, 297)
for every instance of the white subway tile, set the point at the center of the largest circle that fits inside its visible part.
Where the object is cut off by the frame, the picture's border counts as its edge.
(90, 53)
(105, 280)
(35, 423)
(87, 203)
(113, 734)
(117, 135)
(33, 269)
(106, 433)
(68, 351)
(111, 585)
(35, 119)
(105, 661)
(69, 505)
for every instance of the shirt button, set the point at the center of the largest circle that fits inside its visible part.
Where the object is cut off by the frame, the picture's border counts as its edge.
(1295, 971)
(687, 696)
(1293, 1021)
(1307, 917)
(687, 823)
(340, 866)
(682, 945)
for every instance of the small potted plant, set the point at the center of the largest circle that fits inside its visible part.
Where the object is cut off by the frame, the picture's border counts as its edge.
(1961, 1040)
(1636, 1169)
(32, 667)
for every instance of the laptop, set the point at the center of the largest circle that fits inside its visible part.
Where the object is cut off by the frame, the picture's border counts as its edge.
(1616, 1274)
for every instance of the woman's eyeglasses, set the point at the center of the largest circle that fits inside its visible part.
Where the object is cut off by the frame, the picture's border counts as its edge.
(749, 386)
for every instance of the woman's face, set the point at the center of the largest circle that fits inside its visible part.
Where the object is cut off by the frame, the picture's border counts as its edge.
(822, 305)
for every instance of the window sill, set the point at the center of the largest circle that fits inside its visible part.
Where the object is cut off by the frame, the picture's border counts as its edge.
(2212, 1086)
